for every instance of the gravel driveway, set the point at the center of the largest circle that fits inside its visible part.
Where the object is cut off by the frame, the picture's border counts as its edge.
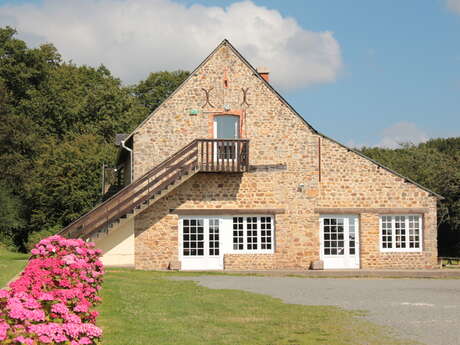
(427, 310)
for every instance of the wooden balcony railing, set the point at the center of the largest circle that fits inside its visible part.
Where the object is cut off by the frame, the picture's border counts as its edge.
(223, 155)
(201, 155)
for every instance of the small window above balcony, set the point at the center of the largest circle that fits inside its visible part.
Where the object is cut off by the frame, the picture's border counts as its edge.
(227, 127)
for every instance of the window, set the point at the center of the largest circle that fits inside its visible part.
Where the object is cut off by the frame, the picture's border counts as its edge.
(266, 233)
(238, 233)
(401, 233)
(334, 240)
(214, 237)
(193, 237)
(253, 234)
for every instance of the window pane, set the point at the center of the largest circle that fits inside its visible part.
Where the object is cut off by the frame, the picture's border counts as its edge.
(193, 237)
(387, 232)
(251, 233)
(400, 231)
(351, 236)
(333, 233)
(227, 126)
(213, 236)
(238, 233)
(266, 232)
(414, 232)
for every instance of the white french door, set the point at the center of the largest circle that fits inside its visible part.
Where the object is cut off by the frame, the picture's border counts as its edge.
(339, 241)
(200, 243)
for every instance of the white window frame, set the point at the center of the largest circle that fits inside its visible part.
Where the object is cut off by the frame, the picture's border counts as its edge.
(393, 237)
(259, 236)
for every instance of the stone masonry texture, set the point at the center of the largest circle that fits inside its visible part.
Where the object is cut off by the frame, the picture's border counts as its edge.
(332, 175)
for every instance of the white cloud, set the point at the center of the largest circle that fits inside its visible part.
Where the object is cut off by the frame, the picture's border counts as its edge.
(402, 133)
(135, 37)
(454, 5)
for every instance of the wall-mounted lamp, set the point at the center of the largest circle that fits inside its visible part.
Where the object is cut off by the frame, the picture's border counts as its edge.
(301, 188)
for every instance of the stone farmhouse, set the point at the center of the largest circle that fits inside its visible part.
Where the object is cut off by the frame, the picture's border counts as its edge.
(225, 174)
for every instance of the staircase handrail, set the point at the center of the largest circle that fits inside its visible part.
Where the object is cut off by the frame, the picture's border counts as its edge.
(130, 187)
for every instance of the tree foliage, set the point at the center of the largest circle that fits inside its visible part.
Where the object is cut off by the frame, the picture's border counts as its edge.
(66, 179)
(10, 216)
(157, 87)
(57, 127)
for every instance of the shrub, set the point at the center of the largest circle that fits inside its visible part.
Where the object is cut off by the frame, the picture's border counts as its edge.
(51, 302)
(36, 237)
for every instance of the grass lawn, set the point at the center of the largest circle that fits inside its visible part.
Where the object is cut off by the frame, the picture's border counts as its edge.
(146, 308)
(11, 263)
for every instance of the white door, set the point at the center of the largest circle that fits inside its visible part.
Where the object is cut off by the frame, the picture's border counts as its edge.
(199, 243)
(226, 127)
(339, 241)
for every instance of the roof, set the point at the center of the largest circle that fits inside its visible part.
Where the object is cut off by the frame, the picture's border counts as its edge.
(225, 42)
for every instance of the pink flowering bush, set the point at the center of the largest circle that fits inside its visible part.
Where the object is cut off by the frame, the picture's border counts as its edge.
(51, 302)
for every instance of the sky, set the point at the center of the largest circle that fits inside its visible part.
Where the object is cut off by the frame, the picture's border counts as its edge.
(366, 73)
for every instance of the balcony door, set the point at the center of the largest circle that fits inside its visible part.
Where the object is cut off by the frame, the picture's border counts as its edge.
(226, 127)
(340, 241)
(200, 243)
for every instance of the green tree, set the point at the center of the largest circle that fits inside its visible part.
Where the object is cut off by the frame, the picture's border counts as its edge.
(82, 100)
(57, 125)
(66, 179)
(22, 68)
(11, 219)
(157, 87)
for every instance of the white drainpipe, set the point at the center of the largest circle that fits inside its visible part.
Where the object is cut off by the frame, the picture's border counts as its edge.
(130, 160)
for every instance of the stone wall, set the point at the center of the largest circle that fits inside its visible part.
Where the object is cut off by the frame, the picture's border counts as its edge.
(372, 257)
(277, 136)
(331, 175)
(351, 181)
(156, 229)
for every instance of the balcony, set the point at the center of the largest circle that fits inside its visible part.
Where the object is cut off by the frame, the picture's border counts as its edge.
(223, 155)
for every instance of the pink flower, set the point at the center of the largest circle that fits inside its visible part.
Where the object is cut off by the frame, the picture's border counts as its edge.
(24, 340)
(92, 330)
(69, 259)
(45, 296)
(45, 339)
(72, 318)
(51, 301)
(59, 308)
(81, 307)
(85, 341)
(3, 329)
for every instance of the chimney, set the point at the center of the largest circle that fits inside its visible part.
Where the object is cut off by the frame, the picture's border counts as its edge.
(263, 72)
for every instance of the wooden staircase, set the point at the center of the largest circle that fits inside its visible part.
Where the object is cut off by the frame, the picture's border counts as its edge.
(201, 155)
